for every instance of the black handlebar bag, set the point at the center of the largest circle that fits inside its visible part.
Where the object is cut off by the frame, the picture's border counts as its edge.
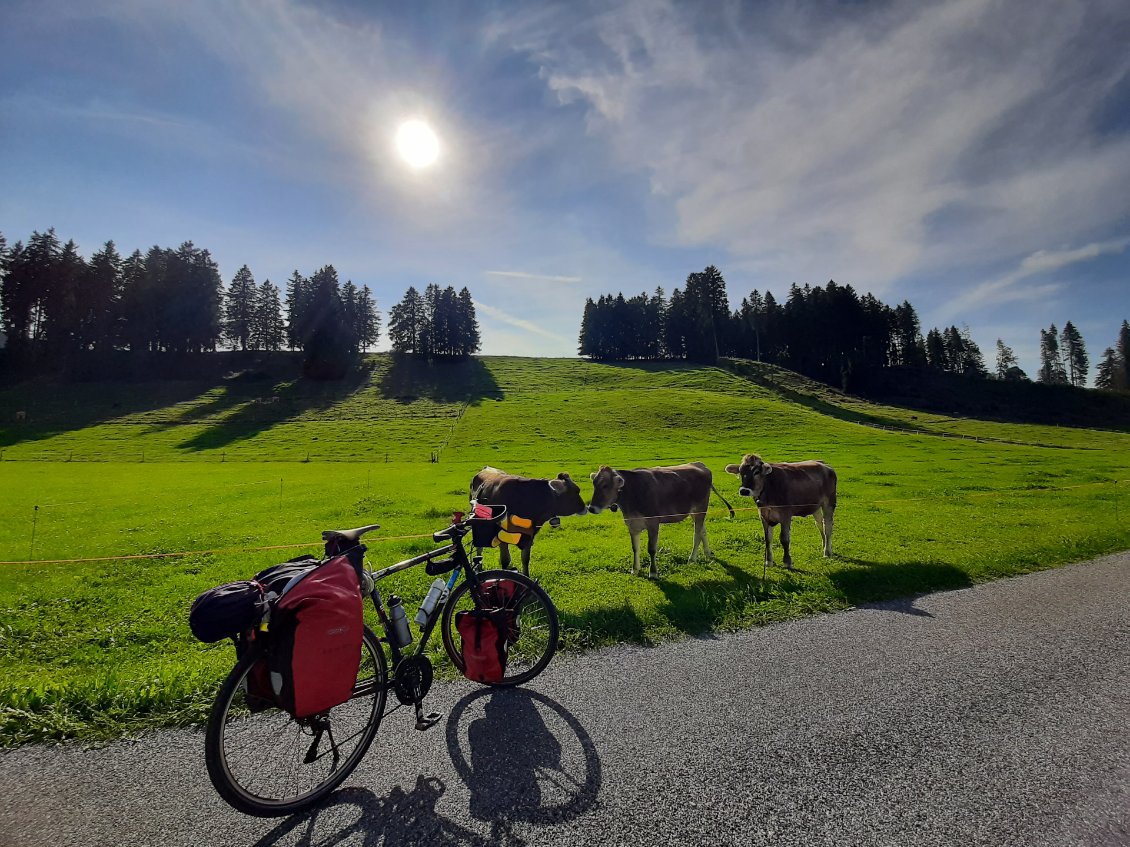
(315, 639)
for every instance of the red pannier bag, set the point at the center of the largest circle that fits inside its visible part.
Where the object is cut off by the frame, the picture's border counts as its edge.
(484, 647)
(506, 596)
(315, 639)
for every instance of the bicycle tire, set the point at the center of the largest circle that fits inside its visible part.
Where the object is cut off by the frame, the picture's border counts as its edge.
(235, 782)
(533, 649)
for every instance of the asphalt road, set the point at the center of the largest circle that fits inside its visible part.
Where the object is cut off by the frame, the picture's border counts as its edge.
(993, 715)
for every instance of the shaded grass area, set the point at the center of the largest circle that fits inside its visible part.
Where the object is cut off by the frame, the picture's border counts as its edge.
(100, 649)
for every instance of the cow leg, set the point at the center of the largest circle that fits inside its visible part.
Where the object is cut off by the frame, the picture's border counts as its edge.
(701, 532)
(768, 528)
(526, 559)
(652, 544)
(634, 532)
(828, 512)
(786, 537)
(504, 555)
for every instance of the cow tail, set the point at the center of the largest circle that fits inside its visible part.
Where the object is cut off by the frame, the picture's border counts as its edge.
(723, 499)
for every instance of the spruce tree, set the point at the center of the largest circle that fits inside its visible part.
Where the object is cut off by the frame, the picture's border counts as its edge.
(368, 320)
(1051, 363)
(1123, 348)
(469, 338)
(268, 331)
(1005, 359)
(1108, 370)
(239, 308)
(406, 323)
(103, 292)
(1074, 355)
(936, 351)
(134, 322)
(297, 310)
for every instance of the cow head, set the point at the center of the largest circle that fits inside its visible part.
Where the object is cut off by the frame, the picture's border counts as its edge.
(606, 487)
(752, 472)
(567, 499)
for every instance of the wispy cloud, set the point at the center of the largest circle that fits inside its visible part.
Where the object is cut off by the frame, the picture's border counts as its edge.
(865, 142)
(534, 277)
(1006, 289)
(519, 323)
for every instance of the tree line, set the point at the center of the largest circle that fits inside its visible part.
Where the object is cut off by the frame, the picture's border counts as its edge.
(54, 304)
(829, 333)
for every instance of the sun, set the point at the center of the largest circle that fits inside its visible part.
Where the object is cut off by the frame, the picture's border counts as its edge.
(417, 144)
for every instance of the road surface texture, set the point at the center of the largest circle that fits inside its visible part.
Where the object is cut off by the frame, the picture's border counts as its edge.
(996, 715)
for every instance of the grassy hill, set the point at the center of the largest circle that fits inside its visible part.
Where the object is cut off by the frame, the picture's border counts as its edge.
(254, 456)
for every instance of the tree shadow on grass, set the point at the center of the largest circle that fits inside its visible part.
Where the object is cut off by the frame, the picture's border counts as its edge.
(895, 585)
(40, 410)
(409, 377)
(288, 401)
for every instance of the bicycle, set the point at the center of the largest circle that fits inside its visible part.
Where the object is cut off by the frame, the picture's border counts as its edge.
(265, 762)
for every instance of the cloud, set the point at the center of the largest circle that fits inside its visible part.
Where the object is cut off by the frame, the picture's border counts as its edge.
(1006, 289)
(535, 277)
(862, 142)
(1043, 261)
(519, 323)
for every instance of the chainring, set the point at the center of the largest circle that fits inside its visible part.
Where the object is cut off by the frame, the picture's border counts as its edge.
(413, 679)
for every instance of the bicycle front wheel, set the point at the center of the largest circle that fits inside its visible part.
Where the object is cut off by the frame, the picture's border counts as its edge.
(264, 762)
(533, 632)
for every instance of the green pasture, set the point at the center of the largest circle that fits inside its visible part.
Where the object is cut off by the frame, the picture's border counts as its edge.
(101, 648)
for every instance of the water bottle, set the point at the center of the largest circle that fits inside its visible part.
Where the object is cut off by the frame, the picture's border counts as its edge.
(430, 602)
(398, 631)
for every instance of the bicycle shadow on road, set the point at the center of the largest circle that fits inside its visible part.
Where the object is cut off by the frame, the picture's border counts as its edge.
(403, 818)
(525, 759)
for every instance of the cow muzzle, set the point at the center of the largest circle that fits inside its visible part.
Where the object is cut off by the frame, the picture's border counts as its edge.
(595, 510)
(615, 507)
(745, 492)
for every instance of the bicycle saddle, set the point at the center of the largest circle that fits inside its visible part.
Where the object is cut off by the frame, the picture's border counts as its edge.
(349, 535)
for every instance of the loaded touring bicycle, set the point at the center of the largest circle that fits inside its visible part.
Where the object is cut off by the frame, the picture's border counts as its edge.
(312, 681)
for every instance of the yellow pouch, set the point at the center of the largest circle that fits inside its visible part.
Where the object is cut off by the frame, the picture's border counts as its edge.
(509, 537)
(518, 524)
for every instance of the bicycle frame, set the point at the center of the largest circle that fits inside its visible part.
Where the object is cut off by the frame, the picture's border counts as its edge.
(468, 566)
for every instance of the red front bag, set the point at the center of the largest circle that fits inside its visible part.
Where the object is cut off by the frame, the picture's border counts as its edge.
(315, 637)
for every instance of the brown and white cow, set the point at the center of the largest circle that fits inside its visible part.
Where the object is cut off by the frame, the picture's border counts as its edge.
(540, 500)
(653, 496)
(787, 490)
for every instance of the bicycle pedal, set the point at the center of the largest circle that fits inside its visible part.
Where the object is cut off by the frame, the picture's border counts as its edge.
(426, 722)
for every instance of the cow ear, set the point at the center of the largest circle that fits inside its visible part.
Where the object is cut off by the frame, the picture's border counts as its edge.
(557, 486)
(563, 475)
(592, 476)
(732, 469)
(619, 482)
(767, 469)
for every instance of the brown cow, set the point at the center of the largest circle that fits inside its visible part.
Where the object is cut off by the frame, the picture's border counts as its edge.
(784, 490)
(654, 496)
(540, 500)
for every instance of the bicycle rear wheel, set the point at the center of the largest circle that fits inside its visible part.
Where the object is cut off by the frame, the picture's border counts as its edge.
(533, 635)
(264, 762)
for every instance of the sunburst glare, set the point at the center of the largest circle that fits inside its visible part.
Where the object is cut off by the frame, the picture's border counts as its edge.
(417, 144)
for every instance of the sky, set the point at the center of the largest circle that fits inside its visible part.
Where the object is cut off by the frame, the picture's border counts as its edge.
(972, 156)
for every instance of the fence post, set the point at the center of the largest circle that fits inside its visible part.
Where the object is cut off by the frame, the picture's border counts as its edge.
(34, 523)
